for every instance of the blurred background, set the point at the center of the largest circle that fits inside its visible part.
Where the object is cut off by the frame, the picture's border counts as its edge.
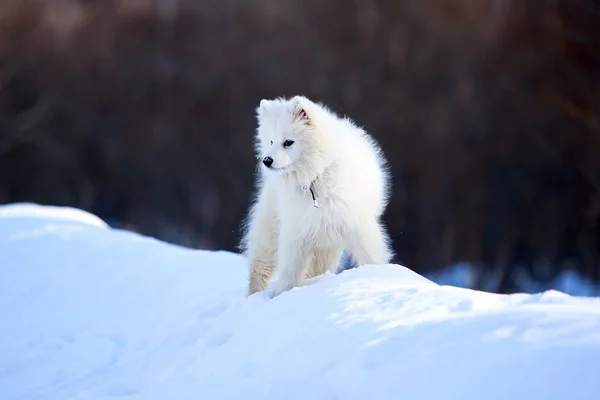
(142, 112)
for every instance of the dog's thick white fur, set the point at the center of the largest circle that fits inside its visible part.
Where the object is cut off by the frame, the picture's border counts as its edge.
(304, 149)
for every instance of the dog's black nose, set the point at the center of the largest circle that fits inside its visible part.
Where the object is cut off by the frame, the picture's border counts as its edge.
(267, 161)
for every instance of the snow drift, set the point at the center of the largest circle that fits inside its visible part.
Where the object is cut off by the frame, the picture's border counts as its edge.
(88, 312)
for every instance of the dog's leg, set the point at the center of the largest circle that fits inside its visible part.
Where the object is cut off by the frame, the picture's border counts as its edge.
(261, 245)
(324, 260)
(293, 260)
(369, 244)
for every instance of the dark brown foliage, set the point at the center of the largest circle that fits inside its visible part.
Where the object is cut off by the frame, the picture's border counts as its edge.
(143, 113)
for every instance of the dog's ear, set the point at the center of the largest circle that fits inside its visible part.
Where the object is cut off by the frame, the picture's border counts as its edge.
(263, 107)
(264, 104)
(301, 110)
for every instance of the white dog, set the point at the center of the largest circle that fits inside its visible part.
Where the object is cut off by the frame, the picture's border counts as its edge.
(322, 188)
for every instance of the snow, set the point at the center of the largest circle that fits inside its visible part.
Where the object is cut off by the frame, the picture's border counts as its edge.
(50, 213)
(89, 312)
(567, 281)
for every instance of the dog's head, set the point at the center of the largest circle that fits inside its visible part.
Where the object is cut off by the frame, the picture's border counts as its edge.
(285, 137)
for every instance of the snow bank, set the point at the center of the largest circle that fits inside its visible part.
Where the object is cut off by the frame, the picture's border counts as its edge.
(93, 313)
(465, 275)
(28, 211)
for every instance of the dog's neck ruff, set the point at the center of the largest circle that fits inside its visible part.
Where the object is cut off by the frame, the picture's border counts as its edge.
(303, 189)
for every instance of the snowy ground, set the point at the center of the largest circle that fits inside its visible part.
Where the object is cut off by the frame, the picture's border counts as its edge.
(93, 313)
(567, 281)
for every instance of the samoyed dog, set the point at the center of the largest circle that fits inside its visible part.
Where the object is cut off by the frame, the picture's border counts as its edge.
(322, 187)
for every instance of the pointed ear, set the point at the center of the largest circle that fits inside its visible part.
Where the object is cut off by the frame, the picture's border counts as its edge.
(264, 104)
(300, 110)
(263, 107)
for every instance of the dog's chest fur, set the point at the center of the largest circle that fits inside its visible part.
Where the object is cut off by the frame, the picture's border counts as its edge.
(321, 225)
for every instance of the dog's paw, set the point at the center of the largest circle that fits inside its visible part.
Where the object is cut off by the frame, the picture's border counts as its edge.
(279, 288)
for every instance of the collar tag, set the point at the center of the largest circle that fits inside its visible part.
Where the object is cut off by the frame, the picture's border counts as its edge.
(315, 198)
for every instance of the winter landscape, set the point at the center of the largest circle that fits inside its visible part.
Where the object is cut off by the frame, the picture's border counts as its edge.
(89, 312)
(131, 137)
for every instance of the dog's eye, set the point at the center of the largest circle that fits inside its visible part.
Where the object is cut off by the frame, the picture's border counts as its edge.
(271, 142)
(288, 143)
